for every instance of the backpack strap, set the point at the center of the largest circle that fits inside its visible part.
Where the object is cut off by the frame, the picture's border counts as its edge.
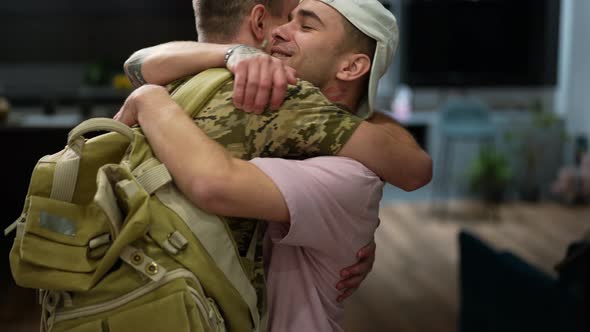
(154, 178)
(191, 95)
(215, 237)
(209, 229)
(195, 93)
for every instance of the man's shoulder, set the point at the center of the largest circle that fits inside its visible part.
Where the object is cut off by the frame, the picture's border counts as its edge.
(303, 90)
(222, 100)
(301, 97)
(323, 169)
(188, 90)
(305, 94)
(344, 164)
(348, 172)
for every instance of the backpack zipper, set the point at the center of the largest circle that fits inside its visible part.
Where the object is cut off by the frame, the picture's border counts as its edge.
(137, 293)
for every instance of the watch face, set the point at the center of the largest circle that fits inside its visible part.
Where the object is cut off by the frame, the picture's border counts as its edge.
(229, 52)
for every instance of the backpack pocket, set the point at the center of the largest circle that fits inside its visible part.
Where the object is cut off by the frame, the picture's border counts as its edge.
(175, 312)
(175, 303)
(94, 326)
(59, 244)
(64, 236)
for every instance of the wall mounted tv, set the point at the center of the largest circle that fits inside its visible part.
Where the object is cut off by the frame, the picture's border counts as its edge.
(484, 43)
(66, 31)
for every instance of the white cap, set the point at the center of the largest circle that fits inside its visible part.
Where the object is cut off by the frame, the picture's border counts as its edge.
(377, 22)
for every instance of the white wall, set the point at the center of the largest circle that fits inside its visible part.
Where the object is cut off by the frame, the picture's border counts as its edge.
(573, 95)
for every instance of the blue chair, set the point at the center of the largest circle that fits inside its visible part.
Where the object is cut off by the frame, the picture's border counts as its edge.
(461, 120)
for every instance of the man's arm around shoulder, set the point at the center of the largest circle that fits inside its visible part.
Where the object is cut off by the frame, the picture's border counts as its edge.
(165, 63)
(391, 152)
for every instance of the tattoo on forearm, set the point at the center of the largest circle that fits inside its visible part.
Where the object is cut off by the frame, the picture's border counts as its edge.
(133, 69)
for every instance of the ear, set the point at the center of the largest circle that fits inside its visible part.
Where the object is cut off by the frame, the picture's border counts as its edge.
(257, 22)
(353, 66)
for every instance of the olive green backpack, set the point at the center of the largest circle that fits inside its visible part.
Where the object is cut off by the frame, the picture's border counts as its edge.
(112, 245)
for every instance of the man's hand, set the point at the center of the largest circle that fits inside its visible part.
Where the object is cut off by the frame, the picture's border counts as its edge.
(260, 79)
(353, 276)
(154, 97)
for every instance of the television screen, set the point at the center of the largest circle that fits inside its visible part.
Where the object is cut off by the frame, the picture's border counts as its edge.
(479, 42)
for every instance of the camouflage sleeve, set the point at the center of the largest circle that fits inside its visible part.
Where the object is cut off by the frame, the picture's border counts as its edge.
(307, 125)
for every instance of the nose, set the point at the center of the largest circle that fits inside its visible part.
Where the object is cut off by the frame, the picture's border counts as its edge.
(280, 33)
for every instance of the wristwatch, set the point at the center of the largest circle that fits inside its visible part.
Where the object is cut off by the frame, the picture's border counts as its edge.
(229, 53)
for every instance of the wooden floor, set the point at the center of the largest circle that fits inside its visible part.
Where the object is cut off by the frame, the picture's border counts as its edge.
(414, 283)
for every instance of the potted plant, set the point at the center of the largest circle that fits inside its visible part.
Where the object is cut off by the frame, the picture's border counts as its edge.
(489, 175)
(530, 144)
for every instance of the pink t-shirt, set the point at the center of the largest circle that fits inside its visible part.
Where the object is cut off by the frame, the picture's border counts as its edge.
(334, 206)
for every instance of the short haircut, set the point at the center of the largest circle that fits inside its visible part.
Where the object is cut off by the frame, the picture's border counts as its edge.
(356, 41)
(220, 20)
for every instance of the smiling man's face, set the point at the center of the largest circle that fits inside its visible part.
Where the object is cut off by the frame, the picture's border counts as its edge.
(275, 21)
(311, 42)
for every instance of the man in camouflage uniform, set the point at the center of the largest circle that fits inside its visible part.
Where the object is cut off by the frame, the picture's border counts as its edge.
(306, 125)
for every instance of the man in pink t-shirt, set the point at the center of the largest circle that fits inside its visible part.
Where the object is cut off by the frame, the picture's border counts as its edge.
(333, 205)
(322, 210)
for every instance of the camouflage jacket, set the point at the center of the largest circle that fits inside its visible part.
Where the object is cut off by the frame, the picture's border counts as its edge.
(306, 125)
